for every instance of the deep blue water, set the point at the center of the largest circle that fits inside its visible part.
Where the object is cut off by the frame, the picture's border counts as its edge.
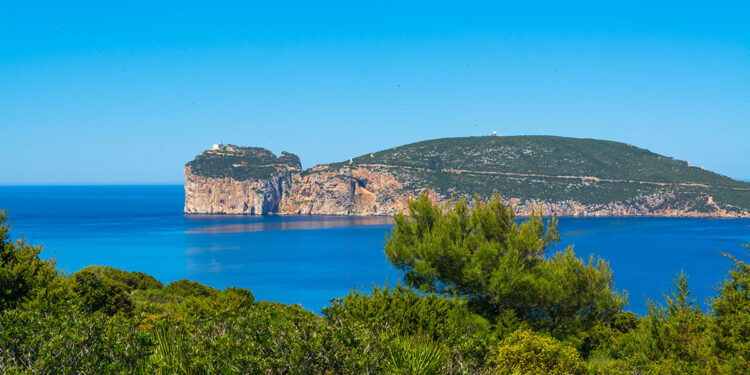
(309, 260)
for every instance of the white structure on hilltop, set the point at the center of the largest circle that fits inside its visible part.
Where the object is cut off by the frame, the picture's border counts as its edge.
(217, 146)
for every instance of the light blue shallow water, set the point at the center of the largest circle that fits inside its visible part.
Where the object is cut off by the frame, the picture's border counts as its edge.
(309, 260)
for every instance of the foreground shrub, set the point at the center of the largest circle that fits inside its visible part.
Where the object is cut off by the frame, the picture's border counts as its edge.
(23, 276)
(482, 254)
(69, 341)
(128, 281)
(187, 288)
(732, 310)
(230, 333)
(416, 355)
(524, 352)
(100, 294)
(672, 339)
(400, 311)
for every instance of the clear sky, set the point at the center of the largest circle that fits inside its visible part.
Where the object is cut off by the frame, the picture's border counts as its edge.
(128, 92)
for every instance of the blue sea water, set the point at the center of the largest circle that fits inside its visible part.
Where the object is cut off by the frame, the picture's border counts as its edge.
(311, 259)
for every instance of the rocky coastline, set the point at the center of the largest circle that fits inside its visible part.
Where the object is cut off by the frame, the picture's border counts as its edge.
(372, 191)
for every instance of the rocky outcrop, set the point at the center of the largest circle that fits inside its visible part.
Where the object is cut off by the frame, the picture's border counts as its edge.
(368, 192)
(237, 180)
(320, 191)
(208, 195)
(662, 204)
(253, 181)
(344, 191)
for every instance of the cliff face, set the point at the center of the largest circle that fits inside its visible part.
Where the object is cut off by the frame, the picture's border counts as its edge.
(367, 192)
(237, 180)
(345, 191)
(253, 181)
(663, 204)
(228, 196)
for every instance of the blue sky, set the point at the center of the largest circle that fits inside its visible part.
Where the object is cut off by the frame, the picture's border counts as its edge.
(127, 92)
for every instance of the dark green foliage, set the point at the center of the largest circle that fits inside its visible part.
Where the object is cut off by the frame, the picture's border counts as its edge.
(107, 289)
(23, 276)
(172, 352)
(100, 293)
(129, 281)
(273, 338)
(416, 355)
(625, 321)
(482, 254)
(69, 341)
(528, 163)
(228, 332)
(732, 311)
(545, 155)
(187, 288)
(673, 339)
(255, 338)
(407, 312)
(391, 313)
(242, 163)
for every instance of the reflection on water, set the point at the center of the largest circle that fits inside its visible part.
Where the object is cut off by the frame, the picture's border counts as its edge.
(190, 250)
(294, 224)
(290, 259)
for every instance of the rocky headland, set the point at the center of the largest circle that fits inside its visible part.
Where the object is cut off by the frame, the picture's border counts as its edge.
(565, 176)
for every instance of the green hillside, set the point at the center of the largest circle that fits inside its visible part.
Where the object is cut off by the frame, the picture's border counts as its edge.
(546, 155)
(551, 168)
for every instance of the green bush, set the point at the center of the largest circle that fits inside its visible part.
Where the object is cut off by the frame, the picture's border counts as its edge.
(129, 281)
(187, 288)
(671, 339)
(482, 254)
(732, 311)
(413, 355)
(23, 276)
(407, 312)
(525, 352)
(272, 338)
(100, 294)
(69, 341)
(403, 312)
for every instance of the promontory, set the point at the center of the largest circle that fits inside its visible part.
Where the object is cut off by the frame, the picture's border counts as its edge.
(565, 176)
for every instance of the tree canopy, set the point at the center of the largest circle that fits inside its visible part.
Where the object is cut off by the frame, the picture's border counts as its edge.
(482, 253)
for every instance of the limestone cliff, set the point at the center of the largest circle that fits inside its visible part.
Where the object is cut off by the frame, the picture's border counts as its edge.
(237, 180)
(228, 196)
(240, 180)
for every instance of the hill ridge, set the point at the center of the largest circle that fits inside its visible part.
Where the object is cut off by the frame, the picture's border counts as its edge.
(572, 176)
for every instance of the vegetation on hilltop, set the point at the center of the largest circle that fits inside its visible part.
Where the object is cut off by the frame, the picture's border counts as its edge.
(242, 163)
(544, 168)
(546, 155)
(551, 168)
(482, 296)
(551, 189)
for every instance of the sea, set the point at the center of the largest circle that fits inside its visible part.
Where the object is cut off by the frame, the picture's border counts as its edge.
(310, 260)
